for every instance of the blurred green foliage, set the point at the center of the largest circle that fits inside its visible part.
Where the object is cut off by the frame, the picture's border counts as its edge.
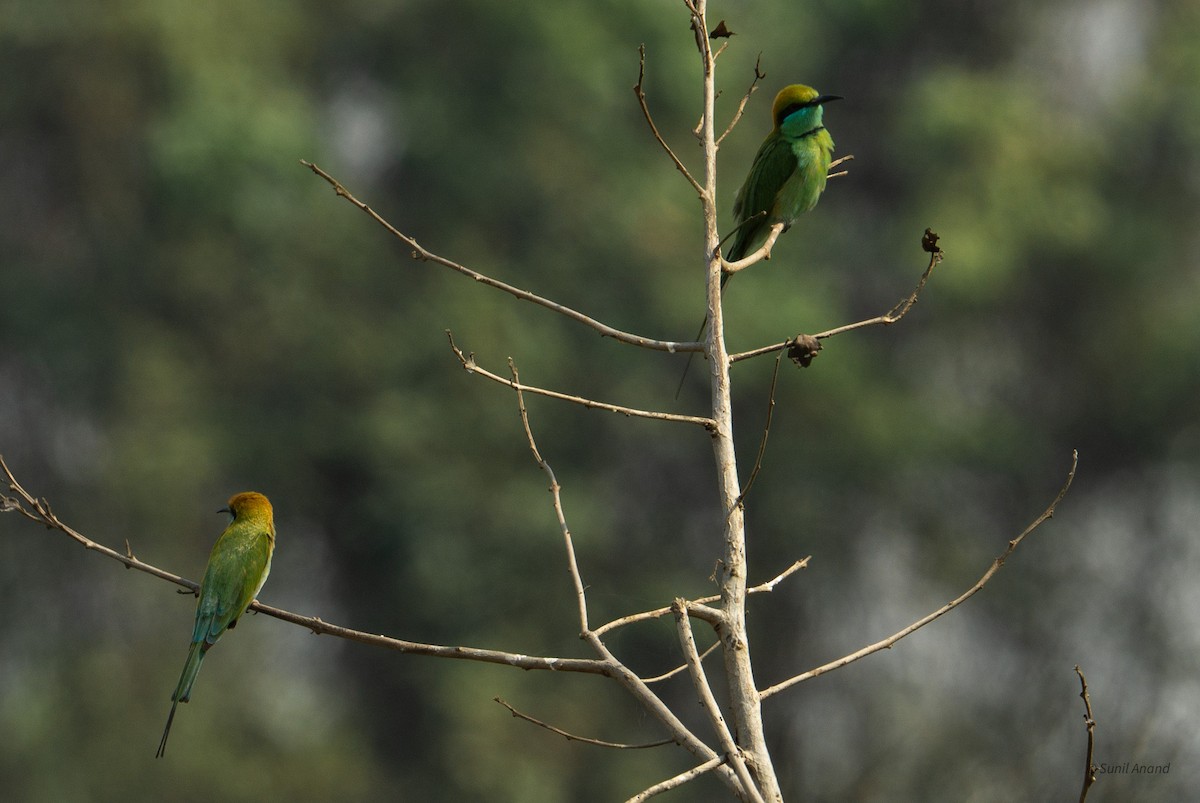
(188, 313)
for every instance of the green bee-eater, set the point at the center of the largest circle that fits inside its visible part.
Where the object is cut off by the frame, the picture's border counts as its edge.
(237, 568)
(787, 176)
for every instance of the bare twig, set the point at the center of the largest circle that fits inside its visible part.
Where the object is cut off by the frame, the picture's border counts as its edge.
(841, 160)
(585, 739)
(660, 612)
(762, 444)
(681, 667)
(1089, 766)
(425, 255)
(737, 115)
(38, 510)
(641, 96)
(555, 491)
(614, 668)
(677, 781)
(949, 606)
(708, 702)
(468, 363)
(754, 257)
(652, 703)
(887, 319)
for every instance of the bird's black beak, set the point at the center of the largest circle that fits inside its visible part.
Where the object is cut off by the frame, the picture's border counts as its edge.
(819, 99)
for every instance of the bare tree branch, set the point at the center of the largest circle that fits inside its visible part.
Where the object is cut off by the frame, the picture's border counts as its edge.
(585, 739)
(555, 491)
(613, 666)
(887, 319)
(660, 612)
(677, 781)
(682, 667)
(1089, 766)
(641, 96)
(762, 444)
(754, 257)
(468, 363)
(425, 255)
(649, 700)
(949, 606)
(840, 160)
(708, 702)
(737, 115)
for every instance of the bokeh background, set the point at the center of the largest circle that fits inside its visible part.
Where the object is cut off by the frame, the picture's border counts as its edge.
(187, 312)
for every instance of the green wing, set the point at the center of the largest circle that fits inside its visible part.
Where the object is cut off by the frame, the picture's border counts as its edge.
(773, 165)
(237, 568)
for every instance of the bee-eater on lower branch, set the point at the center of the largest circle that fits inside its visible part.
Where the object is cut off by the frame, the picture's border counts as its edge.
(237, 568)
(787, 176)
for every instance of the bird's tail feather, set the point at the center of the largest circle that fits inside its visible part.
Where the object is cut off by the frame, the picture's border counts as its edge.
(162, 744)
(183, 690)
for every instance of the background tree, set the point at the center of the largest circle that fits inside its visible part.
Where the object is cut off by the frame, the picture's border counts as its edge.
(185, 316)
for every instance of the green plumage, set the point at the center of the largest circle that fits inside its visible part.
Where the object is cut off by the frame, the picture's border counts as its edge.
(237, 568)
(789, 171)
(786, 178)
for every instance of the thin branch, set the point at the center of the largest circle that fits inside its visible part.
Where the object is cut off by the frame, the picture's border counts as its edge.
(737, 115)
(763, 252)
(708, 702)
(585, 739)
(641, 96)
(654, 704)
(658, 613)
(676, 781)
(762, 444)
(949, 606)
(768, 586)
(887, 319)
(469, 364)
(38, 510)
(842, 160)
(616, 669)
(681, 667)
(1089, 766)
(425, 255)
(555, 488)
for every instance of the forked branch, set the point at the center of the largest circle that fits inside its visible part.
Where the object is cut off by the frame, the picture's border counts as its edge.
(949, 606)
(890, 317)
(571, 737)
(641, 96)
(425, 255)
(1089, 760)
(708, 701)
(469, 364)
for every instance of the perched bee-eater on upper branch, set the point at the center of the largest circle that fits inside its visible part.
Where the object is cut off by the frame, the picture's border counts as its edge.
(237, 568)
(789, 171)
(787, 177)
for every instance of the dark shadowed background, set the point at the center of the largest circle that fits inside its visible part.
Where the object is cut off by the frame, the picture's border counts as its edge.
(187, 313)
